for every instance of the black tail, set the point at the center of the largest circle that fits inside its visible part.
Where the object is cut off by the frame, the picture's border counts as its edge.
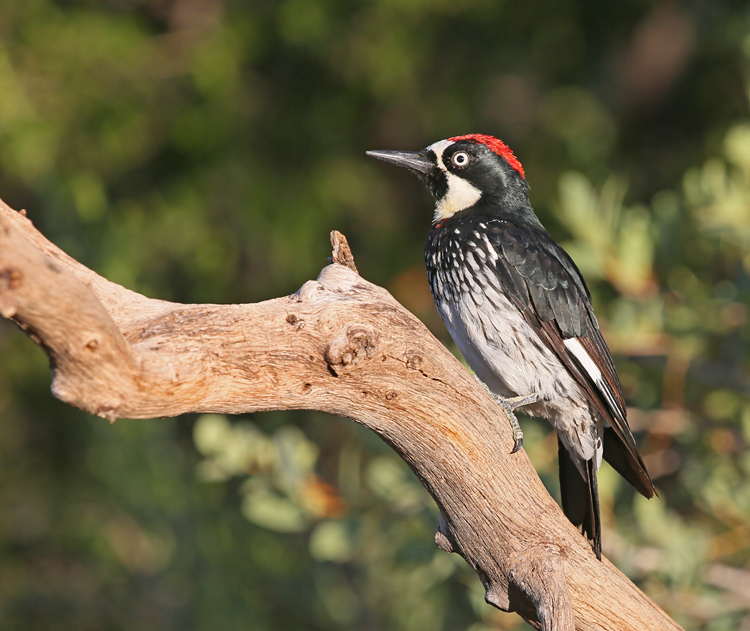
(617, 453)
(580, 498)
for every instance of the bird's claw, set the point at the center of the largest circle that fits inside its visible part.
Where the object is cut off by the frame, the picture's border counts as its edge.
(518, 402)
(509, 406)
(517, 444)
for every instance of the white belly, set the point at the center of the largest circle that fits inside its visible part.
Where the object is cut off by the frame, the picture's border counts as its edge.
(506, 354)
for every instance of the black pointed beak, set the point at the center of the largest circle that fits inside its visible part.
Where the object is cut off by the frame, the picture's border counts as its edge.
(412, 160)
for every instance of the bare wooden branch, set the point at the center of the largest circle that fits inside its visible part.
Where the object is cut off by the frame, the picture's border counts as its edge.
(341, 345)
(342, 253)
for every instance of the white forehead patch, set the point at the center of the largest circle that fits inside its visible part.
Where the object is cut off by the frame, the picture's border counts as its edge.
(461, 193)
(439, 147)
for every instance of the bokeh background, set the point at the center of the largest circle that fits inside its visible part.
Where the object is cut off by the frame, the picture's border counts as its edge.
(202, 150)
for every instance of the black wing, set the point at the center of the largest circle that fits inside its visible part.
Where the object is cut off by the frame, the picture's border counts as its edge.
(545, 284)
(547, 287)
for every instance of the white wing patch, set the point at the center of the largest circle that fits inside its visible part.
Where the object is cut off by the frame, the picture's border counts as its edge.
(575, 347)
(584, 359)
(461, 193)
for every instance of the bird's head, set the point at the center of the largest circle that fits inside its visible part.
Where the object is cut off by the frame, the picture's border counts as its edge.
(465, 171)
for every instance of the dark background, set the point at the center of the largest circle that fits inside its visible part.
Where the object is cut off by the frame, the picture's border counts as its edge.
(202, 150)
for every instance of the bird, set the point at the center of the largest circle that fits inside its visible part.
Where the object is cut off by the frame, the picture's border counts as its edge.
(520, 312)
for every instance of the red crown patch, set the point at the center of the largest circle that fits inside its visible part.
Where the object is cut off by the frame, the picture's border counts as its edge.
(495, 145)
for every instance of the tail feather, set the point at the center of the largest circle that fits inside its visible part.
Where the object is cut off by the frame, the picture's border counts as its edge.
(617, 454)
(580, 497)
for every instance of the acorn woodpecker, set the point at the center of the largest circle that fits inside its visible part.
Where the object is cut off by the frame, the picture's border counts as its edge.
(520, 312)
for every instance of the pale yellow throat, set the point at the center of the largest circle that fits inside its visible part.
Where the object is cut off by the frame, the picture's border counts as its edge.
(461, 194)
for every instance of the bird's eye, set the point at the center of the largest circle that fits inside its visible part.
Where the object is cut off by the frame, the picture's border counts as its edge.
(460, 159)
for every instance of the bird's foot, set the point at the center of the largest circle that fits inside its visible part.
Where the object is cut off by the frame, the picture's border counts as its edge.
(510, 405)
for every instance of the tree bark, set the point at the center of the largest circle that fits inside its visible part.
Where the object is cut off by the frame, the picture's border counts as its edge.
(340, 345)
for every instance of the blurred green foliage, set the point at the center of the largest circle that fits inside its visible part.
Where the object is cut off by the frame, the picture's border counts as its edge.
(201, 150)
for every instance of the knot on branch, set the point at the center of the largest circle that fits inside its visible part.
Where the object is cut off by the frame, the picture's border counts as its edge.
(10, 278)
(355, 344)
(443, 537)
(538, 576)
